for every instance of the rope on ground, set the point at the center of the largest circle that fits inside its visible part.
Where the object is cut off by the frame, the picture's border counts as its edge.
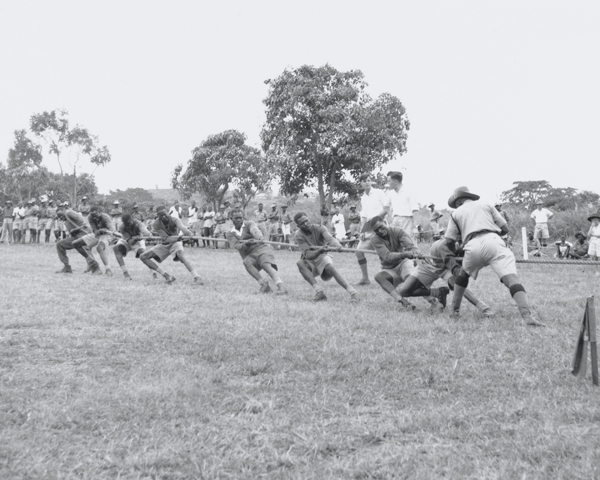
(558, 262)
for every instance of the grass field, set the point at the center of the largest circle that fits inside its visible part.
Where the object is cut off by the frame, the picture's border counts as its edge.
(104, 378)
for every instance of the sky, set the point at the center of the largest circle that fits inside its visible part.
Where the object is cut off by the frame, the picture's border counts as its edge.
(496, 92)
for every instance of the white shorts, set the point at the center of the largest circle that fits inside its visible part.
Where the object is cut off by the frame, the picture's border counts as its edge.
(488, 250)
(92, 240)
(594, 250)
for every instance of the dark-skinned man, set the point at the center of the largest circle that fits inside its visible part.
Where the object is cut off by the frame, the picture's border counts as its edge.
(77, 227)
(396, 251)
(168, 228)
(246, 238)
(102, 234)
(480, 225)
(315, 241)
(132, 233)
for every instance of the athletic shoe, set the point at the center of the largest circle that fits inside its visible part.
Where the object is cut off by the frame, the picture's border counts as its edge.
(170, 279)
(126, 275)
(265, 288)
(320, 296)
(363, 283)
(198, 280)
(281, 290)
(109, 272)
(65, 270)
(88, 269)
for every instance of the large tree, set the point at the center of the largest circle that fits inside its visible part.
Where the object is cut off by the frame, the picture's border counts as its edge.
(77, 142)
(526, 193)
(221, 163)
(323, 127)
(23, 171)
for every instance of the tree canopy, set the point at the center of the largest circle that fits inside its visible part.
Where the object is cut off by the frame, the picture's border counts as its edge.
(322, 127)
(526, 193)
(221, 163)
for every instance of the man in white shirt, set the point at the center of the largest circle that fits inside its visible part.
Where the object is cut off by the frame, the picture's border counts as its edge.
(374, 203)
(403, 204)
(541, 217)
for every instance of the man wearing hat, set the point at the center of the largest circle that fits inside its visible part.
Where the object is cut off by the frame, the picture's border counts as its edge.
(221, 226)
(273, 225)
(45, 221)
(434, 221)
(541, 216)
(260, 216)
(580, 247)
(19, 215)
(594, 236)
(116, 212)
(479, 225)
(84, 207)
(136, 214)
(59, 224)
(354, 219)
(7, 223)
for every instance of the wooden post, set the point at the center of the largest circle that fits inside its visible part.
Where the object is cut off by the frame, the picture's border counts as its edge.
(524, 240)
(586, 339)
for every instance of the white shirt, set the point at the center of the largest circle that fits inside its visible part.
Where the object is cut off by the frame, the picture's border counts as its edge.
(373, 203)
(338, 225)
(193, 214)
(19, 213)
(174, 212)
(541, 216)
(403, 202)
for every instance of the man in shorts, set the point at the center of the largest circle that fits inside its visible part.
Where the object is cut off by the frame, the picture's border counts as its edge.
(168, 228)
(434, 221)
(286, 224)
(396, 252)
(594, 236)
(260, 216)
(439, 264)
(541, 216)
(375, 203)
(132, 233)
(7, 223)
(402, 203)
(247, 239)
(315, 241)
(116, 212)
(19, 218)
(78, 228)
(101, 236)
(30, 221)
(220, 226)
(480, 225)
(46, 220)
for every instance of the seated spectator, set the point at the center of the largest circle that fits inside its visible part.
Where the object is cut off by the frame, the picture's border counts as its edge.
(579, 250)
(534, 246)
(562, 247)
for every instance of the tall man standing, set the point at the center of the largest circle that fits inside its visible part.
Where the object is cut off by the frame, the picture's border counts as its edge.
(375, 203)
(480, 225)
(30, 221)
(116, 212)
(7, 223)
(315, 241)
(46, 220)
(403, 204)
(260, 216)
(541, 216)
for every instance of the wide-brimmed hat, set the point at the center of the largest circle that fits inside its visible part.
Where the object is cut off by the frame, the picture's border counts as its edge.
(461, 192)
(116, 202)
(430, 205)
(539, 202)
(581, 234)
(594, 215)
(8, 201)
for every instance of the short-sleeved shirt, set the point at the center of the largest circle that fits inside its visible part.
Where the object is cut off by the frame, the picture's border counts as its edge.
(103, 222)
(472, 217)
(402, 202)
(31, 211)
(260, 215)
(541, 216)
(116, 212)
(398, 241)
(373, 203)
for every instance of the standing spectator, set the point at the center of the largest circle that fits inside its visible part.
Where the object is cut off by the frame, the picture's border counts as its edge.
(541, 217)
(184, 212)
(375, 203)
(339, 224)
(116, 212)
(19, 214)
(273, 226)
(434, 221)
(7, 223)
(594, 236)
(31, 221)
(175, 210)
(220, 227)
(286, 224)
(207, 230)
(45, 220)
(192, 222)
(260, 216)
(402, 204)
(84, 207)
(354, 219)
(580, 247)
(136, 214)
(325, 217)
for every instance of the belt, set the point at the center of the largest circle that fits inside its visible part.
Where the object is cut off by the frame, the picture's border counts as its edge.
(471, 236)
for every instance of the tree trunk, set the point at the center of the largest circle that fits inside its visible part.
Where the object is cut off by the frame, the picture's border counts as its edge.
(74, 202)
(331, 185)
(319, 164)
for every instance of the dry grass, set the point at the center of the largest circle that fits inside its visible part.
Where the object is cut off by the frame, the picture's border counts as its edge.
(100, 378)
